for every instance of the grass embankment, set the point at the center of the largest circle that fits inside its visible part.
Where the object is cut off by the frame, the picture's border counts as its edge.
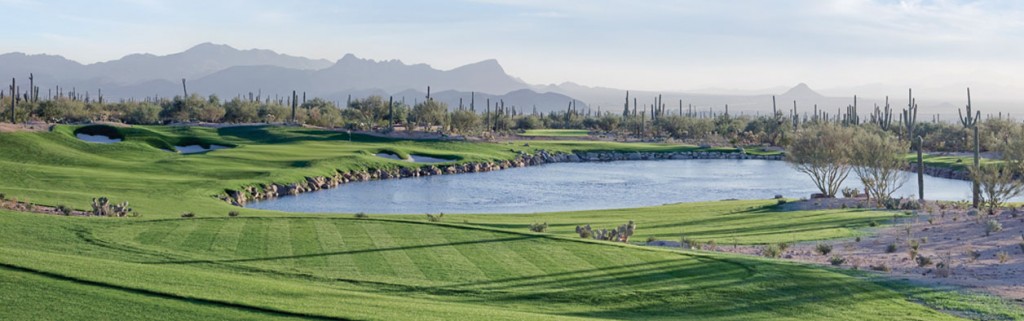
(267, 265)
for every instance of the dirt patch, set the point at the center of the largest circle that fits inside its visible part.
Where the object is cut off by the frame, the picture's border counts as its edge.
(27, 127)
(951, 249)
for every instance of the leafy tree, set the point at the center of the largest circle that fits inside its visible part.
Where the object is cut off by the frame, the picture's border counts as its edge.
(1001, 181)
(822, 153)
(429, 113)
(464, 121)
(878, 159)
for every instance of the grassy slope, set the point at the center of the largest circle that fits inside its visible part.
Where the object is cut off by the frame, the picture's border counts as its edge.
(305, 266)
(387, 270)
(728, 222)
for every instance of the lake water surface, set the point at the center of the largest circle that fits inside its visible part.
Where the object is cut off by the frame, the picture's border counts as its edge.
(582, 186)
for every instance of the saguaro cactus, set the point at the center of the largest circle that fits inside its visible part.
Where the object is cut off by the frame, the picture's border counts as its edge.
(971, 122)
(909, 120)
(14, 99)
(882, 117)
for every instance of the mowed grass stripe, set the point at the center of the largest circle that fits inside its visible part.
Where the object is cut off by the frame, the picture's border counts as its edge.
(370, 265)
(200, 239)
(176, 238)
(338, 265)
(494, 259)
(306, 246)
(155, 233)
(279, 244)
(449, 265)
(253, 243)
(226, 241)
(397, 260)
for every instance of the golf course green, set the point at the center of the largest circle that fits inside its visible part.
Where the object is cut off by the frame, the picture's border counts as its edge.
(275, 265)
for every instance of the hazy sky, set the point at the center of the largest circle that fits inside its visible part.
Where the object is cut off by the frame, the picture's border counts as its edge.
(653, 44)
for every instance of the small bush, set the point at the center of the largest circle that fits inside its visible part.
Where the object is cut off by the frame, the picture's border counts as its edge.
(651, 239)
(910, 205)
(360, 215)
(771, 251)
(914, 245)
(881, 267)
(685, 242)
(923, 261)
(857, 239)
(823, 248)
(539, 228)
(188, 214)
(891, 248)
(849, 192)
(992, 226)
(780, 202)
(435, 218)
(585, 234)
(837, 260)
(783, 246)
(233, 213)
(973, 254)
(872, 223)
(1003, 256)
(64, 210)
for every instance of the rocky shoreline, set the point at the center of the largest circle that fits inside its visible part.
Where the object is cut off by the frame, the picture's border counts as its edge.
(311, 184)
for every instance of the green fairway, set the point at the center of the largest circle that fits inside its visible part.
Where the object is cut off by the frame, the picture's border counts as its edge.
(274, 265)
(556, 133)
(725, 222)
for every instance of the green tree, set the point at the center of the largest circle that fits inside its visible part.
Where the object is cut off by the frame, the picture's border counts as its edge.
(822, 152)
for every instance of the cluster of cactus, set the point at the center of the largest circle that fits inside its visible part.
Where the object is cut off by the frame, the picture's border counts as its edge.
(851, 117)
(882, 116)
(102, 207)
(619, 234)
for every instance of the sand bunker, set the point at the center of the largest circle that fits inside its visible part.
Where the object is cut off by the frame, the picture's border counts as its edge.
(193, 149)
(99, 139)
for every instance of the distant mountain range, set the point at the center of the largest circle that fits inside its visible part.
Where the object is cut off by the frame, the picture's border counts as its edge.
(229, 72)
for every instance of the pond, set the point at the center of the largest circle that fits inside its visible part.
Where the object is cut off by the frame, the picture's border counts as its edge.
(583, 186)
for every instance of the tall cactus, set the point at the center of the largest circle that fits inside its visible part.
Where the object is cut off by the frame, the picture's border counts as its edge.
(909, 120)
(971, 122)
(14, 99)
(882, 116)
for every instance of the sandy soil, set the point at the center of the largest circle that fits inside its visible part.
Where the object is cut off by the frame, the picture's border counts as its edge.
(28, 127)
(944, 236)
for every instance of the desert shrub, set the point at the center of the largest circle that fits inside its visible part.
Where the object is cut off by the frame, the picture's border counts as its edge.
(857, 239)
(923, 261)
(361, 215)
(891, 248)
(992, 226)
(780, 202)
(973, 255)
(891, 203)
(233, 213)
(685, 242)
(945, 268)
(710, 245)
(914, 244)
(837, 260)
(783, 246)
(585, 232)
(1003, 256)
(3, 196)
(435, 218)
(651, 239)
(771, 251)
(850, 192)
(64, 210)
(823, 248)
(872, 223)
(910, 205)
(881, 268)
(539, 228)
(188, 214)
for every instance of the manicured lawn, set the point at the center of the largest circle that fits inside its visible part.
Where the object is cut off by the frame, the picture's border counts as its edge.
(273, 265)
